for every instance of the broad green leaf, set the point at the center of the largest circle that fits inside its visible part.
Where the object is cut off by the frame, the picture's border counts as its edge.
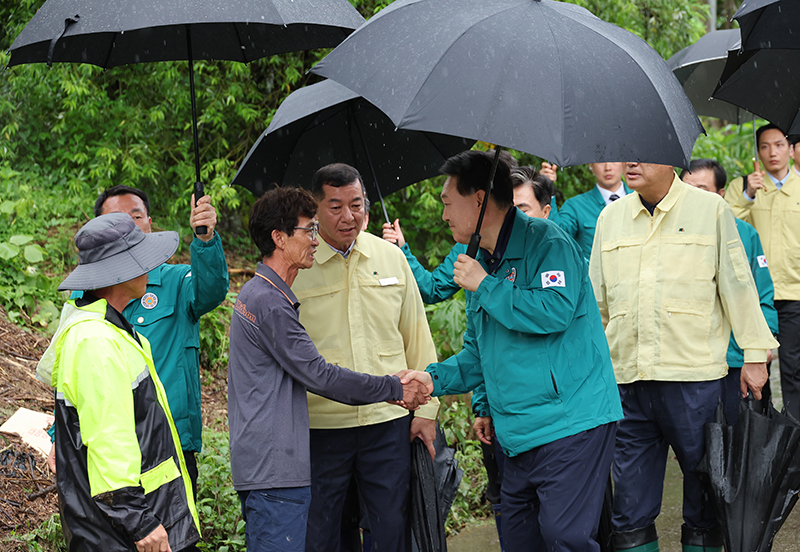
(20, 239)
(8, 251)
(34, 253)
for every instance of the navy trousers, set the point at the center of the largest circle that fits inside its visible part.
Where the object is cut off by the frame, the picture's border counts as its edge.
(552, 495)
(660, 414)
(275, 519)
(380, 458)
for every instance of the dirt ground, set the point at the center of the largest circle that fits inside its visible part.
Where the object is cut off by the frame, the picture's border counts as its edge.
(27, 488)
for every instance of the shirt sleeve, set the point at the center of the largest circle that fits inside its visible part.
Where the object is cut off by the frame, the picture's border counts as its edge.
(596, 272)
(460, 373)
(417, 341)
(568, 218)
(437, 285)
(209, 281)
(737, 291)
(480, 402)
(554, 213)
(739, 203)
(537, 308)
(294, 351)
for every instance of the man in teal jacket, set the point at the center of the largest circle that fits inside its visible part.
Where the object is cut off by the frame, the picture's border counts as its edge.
(535, 338)
(708, 175)
(578, 215)
(168, 314)
(534, 194)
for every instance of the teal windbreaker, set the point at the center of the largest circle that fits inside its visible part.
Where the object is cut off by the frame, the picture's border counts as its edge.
(766, 291)
(535, 338)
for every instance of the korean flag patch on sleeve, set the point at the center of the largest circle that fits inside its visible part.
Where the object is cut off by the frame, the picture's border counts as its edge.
(762, 261)
(553, 278)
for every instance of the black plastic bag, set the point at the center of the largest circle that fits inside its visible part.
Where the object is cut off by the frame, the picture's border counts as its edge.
(752, 472)
(434, 484)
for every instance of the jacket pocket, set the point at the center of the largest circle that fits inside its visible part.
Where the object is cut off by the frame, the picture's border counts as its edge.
(685, 329)
(389, 357)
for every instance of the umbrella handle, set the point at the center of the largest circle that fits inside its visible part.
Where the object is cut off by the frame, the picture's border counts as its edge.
(474, 244)
(475, 240)
(198, 193)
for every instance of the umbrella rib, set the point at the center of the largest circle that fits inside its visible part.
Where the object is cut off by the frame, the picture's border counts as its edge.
(242, 47)
(110, 50)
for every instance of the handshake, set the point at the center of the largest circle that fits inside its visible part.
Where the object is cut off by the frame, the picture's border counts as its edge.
(417, 388)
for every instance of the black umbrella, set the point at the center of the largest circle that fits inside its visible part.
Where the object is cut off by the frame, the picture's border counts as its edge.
(326, 123)
(540, 76)
(753, 472)
(698, 68)
(762, 75)
(433, 488)
(109, 33)
(768, 23)
(765, 82)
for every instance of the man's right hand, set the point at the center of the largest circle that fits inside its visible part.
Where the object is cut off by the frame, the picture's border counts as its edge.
(417, 388)
(157, 541)
(755, 182)
(483, 429)
(393, 234)
(549, 171)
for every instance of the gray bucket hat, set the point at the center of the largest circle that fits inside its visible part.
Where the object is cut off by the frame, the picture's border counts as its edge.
(112, 250)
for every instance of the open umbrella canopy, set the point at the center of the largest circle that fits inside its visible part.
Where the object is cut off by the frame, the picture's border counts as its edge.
(327, 123)
(769, 24)
(762, 76)
(765, 82)
(540, 76)
(698, 68)
(109, 33)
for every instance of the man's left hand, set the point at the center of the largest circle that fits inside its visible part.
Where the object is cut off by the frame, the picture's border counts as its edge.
(203, 214)
(425, 430)
(754, 377)
(468, 273)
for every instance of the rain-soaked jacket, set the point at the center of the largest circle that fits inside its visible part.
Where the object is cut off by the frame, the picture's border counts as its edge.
(120, 470)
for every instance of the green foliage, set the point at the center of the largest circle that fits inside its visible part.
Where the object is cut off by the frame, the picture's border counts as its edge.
(48, 537)
(667, 26)
(455, 418)
(215, 338)
(217, 502)
(27, 252)
(731, 145)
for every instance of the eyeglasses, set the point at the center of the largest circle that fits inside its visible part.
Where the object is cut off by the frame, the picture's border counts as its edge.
(313, 230)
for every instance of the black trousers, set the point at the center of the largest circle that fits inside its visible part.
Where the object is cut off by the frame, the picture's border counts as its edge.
(190, 458)
(379, 456)
(789, 354)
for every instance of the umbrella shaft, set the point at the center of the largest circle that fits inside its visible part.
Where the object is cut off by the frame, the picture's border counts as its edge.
(475, 240)
(194, 105)
(198, 184)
